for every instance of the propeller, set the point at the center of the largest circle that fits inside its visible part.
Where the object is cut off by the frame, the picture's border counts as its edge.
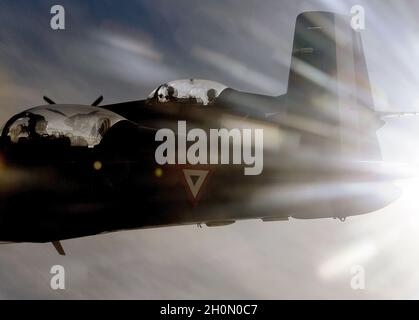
(48, 100)
(94, 104)
(97, 101)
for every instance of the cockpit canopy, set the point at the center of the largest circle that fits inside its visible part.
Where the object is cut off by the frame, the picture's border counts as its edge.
(80, 125)
(193, 91)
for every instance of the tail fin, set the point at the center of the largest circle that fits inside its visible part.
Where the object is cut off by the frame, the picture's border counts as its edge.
(329, 83)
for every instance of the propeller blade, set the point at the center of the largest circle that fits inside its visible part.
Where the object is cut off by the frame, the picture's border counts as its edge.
(57, 111)
(97, 101)
(57, 245)
(48, 100)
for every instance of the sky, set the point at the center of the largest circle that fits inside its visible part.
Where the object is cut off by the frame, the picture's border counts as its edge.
(124, 50)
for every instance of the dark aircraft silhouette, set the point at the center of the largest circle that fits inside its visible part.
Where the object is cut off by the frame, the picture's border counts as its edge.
(72, 171)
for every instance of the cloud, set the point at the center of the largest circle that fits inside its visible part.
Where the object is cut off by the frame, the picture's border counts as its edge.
(237, 69)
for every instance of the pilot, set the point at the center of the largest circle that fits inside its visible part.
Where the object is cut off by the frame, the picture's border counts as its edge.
(37, 126)
(41, 127)
(172, 94)
(16, 132)
(211, 94)
(162, 93)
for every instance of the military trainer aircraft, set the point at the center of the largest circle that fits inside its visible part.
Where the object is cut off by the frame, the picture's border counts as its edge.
(198, 152)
